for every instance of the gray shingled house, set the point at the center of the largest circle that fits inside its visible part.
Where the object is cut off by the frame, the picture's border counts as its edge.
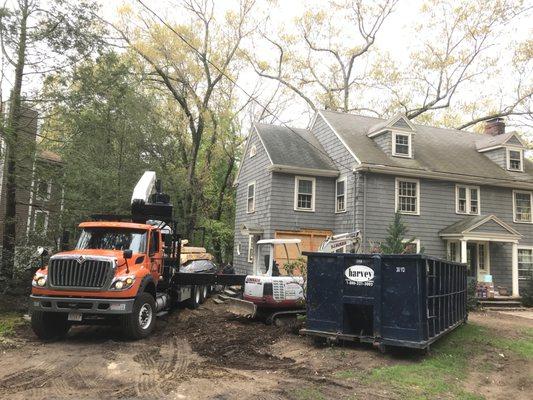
(464, 196)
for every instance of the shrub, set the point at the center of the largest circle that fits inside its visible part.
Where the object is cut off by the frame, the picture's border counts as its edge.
(527, 293)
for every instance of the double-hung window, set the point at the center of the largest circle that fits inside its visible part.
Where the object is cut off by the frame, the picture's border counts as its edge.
(340, 195)
(515, 160)
(401, 145)
(525, 263)
(250, 198)
(304, 194)
(407, 196)
(467, 199)
(522, 206)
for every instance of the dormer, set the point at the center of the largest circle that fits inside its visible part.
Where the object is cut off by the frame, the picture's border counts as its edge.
(505, 149)
(395, 136)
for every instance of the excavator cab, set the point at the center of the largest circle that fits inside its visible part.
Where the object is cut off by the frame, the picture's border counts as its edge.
(270, 255)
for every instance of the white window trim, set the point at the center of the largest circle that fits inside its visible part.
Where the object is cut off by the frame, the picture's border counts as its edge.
(486, 260)
(46, 215)
(342, 179)
(249, 257)
(248, 198)
(530, 205)
(468, 200)
(522, 248)
(253, 150)
(397, 198)
(508, 159)
(457, 250)
(306, 178)
(414, 241)
(409, 141)
(48, 190)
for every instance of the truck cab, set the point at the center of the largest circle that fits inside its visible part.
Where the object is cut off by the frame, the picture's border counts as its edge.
(114, 270)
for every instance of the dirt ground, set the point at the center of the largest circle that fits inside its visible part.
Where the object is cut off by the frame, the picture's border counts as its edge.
(209, 354)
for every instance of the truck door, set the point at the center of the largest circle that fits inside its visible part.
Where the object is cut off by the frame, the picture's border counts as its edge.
(155, 254)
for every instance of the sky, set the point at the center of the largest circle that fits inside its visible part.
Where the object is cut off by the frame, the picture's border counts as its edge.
(396, 38)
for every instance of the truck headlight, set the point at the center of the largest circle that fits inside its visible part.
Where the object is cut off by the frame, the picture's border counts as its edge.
(122, 282)
(39, 279)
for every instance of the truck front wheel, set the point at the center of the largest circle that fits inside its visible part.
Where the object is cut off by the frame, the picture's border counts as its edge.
(49, 325)
(140, 323)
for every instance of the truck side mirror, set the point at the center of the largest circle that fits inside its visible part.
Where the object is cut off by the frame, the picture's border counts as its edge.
(42, 253)
(127, 254)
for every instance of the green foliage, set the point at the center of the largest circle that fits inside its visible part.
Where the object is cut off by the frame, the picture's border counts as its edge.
(110, 126)
(296, 267)
(396, 241)
(8, 322)
(527, 292)
(471, 299)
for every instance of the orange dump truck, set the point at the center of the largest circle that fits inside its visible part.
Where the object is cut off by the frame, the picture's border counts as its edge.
(123, 272)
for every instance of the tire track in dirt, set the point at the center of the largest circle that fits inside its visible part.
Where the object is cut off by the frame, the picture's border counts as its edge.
(164, 365)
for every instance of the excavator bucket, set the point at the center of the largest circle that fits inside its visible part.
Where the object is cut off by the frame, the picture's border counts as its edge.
(241, 308)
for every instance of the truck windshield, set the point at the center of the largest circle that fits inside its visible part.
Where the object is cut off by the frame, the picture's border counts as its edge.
(112, 239)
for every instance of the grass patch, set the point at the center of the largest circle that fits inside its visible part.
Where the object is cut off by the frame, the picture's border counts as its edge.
(441, 373)
(8, 322)
(521, 347)
(307, 394)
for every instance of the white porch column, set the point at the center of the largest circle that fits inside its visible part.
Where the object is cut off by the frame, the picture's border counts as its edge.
(464, 258)
(514, 269)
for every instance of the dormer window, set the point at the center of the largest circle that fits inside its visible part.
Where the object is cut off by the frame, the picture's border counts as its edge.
(515, 160)
(401, 145)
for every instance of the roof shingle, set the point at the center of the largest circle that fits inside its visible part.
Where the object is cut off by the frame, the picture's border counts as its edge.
(435, 149)
(294, 147)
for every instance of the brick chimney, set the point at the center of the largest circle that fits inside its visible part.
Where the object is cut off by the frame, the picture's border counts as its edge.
(494, 127)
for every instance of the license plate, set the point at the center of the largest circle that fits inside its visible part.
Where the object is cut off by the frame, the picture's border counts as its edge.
(74, 316)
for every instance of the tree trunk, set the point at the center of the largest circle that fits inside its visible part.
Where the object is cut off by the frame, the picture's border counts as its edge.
(217, 245)
(12, 142)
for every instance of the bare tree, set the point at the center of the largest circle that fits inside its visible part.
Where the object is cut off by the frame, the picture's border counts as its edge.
(455, 56)
(320, 65)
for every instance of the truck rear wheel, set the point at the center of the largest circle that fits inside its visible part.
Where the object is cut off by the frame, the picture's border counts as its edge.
(140, 323)
(196, 297)
(204, 293)
(49, 325)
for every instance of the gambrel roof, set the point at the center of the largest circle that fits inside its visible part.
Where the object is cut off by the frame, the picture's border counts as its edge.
(437, 152)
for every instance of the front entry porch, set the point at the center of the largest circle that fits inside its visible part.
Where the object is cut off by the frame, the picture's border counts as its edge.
(489, 247)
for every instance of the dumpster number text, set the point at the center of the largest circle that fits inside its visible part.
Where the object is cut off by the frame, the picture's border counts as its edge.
(359, 275)
(400, 269)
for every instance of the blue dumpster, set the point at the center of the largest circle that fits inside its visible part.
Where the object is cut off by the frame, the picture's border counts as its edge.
(395, 300)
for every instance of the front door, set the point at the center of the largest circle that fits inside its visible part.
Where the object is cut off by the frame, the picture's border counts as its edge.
(471, 259)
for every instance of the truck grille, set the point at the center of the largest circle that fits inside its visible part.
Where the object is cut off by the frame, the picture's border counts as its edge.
(70, 272)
